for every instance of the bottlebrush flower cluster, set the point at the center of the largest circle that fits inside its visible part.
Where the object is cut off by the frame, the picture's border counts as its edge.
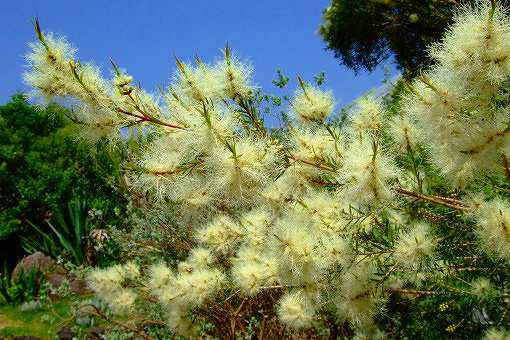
(288, 213)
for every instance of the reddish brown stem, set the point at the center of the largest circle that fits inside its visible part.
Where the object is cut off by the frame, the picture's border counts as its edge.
(506, 166)
(145, 118)
(433, 199)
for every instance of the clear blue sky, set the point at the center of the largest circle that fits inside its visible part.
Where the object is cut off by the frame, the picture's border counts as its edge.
(144, 35)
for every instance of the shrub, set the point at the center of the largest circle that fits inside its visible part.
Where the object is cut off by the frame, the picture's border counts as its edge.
(401, 208)
(43, 167)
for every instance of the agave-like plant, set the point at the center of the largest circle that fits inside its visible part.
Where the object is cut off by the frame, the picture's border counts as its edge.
(68, 235)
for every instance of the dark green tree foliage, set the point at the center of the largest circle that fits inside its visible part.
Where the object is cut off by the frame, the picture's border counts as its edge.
(363, 33)
(42, 168)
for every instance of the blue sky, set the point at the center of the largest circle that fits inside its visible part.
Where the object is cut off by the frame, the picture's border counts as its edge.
(144, 36)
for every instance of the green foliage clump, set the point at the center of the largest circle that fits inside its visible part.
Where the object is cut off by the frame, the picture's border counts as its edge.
(25, 287)
(43, 167)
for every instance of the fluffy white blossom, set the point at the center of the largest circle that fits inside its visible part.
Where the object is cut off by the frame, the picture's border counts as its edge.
(311, 104)
(296, 310)
(366, 173)
(452, 103)
(493, 227)
(415, 245)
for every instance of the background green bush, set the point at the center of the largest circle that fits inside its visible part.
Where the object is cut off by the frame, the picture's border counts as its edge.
(42, 168)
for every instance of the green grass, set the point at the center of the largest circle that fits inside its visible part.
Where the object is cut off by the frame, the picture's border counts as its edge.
(43, 322)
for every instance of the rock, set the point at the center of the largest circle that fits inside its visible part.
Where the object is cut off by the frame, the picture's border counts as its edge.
(79, 286)
(65, 333)
(53, 273)
(39, 262)
(55, 279)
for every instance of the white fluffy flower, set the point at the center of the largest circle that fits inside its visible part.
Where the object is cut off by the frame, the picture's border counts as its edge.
(493, 227)
(312, 104)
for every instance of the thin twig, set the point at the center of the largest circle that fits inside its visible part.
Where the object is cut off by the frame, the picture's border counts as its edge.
(261, 333)
(413, 292)
(305, 161)
(99, 313)
(506, 166)
(256, 122)
(448, 199)
(433, 199)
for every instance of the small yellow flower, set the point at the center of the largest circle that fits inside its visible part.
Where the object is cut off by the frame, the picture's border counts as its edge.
(451, 328)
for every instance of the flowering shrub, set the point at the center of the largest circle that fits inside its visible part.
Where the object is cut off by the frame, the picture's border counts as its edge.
(326, 222)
